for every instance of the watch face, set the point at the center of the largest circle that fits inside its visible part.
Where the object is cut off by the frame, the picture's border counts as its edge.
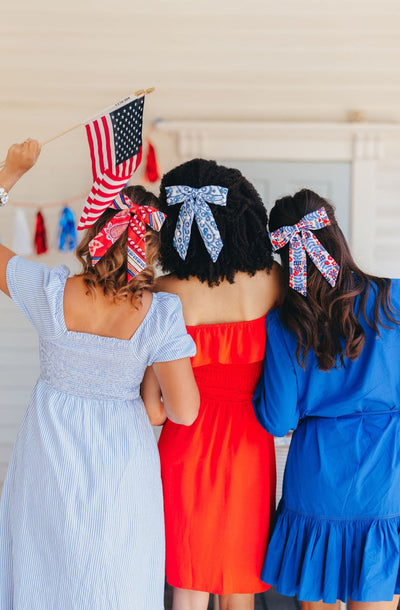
(3, 196)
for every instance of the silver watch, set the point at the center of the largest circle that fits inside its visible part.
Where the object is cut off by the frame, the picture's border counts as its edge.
(3, 196)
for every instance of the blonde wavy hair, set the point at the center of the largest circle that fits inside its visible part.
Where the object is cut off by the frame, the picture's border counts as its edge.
(110, 273)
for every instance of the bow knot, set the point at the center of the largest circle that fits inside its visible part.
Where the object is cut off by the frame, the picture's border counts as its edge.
(195, 205)
(301, 241)
(134, 218)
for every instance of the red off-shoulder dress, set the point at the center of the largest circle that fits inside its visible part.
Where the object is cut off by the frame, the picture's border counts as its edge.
(219, 474)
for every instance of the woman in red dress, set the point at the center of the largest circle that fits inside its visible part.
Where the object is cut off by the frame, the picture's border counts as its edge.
(218, 474)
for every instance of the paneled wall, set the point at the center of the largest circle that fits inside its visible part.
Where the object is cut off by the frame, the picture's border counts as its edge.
(371, 151)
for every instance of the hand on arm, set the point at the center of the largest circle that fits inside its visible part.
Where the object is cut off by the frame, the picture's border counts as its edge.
(181, 399)
(20, 158)
(151, 394)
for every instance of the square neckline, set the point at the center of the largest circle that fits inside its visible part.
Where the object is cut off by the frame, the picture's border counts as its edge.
(84, 335)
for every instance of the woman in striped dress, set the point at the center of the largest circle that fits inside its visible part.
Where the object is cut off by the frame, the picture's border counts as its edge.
(81, 514)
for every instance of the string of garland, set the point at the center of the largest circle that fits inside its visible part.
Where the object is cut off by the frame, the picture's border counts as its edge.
(67, 237)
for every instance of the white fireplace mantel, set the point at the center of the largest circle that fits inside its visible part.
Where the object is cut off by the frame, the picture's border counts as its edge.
(372, 149)
(280, 141)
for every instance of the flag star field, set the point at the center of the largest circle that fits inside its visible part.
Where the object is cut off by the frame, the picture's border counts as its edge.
(127, 127)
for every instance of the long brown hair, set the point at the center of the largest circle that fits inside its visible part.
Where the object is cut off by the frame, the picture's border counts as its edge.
(110, 273)
(326, 320)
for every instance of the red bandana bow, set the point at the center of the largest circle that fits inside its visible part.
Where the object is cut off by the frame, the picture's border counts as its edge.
(134, 218)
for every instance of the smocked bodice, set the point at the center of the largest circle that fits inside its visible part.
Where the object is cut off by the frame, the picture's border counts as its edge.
(87, 365)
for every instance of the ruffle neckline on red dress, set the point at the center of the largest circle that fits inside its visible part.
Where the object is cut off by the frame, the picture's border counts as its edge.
(228, 342)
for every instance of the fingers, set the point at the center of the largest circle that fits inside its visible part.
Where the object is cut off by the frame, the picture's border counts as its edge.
(31, 147)
(21, 157)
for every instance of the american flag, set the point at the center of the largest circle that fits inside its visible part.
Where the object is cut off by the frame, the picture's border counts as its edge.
(115, 142)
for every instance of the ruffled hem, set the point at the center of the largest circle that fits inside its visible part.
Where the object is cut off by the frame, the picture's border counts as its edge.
(229, 343)
(333, 559)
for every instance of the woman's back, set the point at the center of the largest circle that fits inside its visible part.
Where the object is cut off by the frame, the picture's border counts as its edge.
(248, 298)
(219, 474)
(332, 375)
(99, 315)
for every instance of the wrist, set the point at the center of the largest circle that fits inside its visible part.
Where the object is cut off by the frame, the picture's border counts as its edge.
(9, 178)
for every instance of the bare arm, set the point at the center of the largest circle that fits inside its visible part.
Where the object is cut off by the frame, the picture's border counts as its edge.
(20, 158)
(151, 394)
(176, 384)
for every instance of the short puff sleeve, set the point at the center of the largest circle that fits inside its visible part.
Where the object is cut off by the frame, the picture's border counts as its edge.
(38, 291)
(173, 342)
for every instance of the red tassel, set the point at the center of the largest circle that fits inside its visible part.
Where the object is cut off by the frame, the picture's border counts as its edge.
(40, 235)
(151, 173)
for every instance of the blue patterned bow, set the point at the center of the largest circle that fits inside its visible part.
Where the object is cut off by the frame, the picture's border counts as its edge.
(195, 206)
(302, 240)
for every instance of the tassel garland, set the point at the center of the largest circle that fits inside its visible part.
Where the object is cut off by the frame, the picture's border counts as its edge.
(40, 235)
(22, 241)
(68, 238)
(151, 172)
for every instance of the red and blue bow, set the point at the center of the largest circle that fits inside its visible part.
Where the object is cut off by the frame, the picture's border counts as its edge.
(134, 218)
(301, 241)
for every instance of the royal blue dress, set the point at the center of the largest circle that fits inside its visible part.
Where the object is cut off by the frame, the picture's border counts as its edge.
(81, 513)
(336, 532)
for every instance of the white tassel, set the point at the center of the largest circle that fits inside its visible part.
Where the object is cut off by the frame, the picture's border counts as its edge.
(22, 240)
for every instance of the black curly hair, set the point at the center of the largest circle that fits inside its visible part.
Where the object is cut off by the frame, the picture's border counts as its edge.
(242, 224)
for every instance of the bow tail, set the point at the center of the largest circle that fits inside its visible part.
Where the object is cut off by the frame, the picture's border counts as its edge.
(109, 234)
(152, 217)
(297, 266)
(183, 230)
(324, 262)
(136, 256)
(209, 231)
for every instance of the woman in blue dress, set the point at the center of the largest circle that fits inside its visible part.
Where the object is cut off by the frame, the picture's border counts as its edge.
(332, 374)
(81, 513)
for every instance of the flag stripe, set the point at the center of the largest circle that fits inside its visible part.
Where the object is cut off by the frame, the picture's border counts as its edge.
(107, 142)
(92, 149)
(112, 136)
(100, 167)
(100, 196)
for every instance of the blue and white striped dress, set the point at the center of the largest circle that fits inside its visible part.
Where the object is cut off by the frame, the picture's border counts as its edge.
(81, 514)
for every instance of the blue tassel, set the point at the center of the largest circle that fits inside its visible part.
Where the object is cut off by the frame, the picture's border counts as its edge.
(68, 239)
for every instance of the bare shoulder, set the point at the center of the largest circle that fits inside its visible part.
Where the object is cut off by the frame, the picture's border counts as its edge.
(74, 293)
(74, 286)
(170, 283)
(266, 287)
(275, 278)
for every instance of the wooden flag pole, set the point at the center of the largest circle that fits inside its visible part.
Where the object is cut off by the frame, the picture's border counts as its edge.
(58, 135)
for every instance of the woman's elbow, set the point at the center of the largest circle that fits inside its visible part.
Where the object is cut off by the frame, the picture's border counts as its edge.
(187, 411)
(272, 422)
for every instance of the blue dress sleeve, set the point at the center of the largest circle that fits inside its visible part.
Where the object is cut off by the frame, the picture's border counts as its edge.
(174, 341)
(38, 291)
(275, 399)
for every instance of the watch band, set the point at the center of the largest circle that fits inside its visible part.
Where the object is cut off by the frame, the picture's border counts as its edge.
(3, 196)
